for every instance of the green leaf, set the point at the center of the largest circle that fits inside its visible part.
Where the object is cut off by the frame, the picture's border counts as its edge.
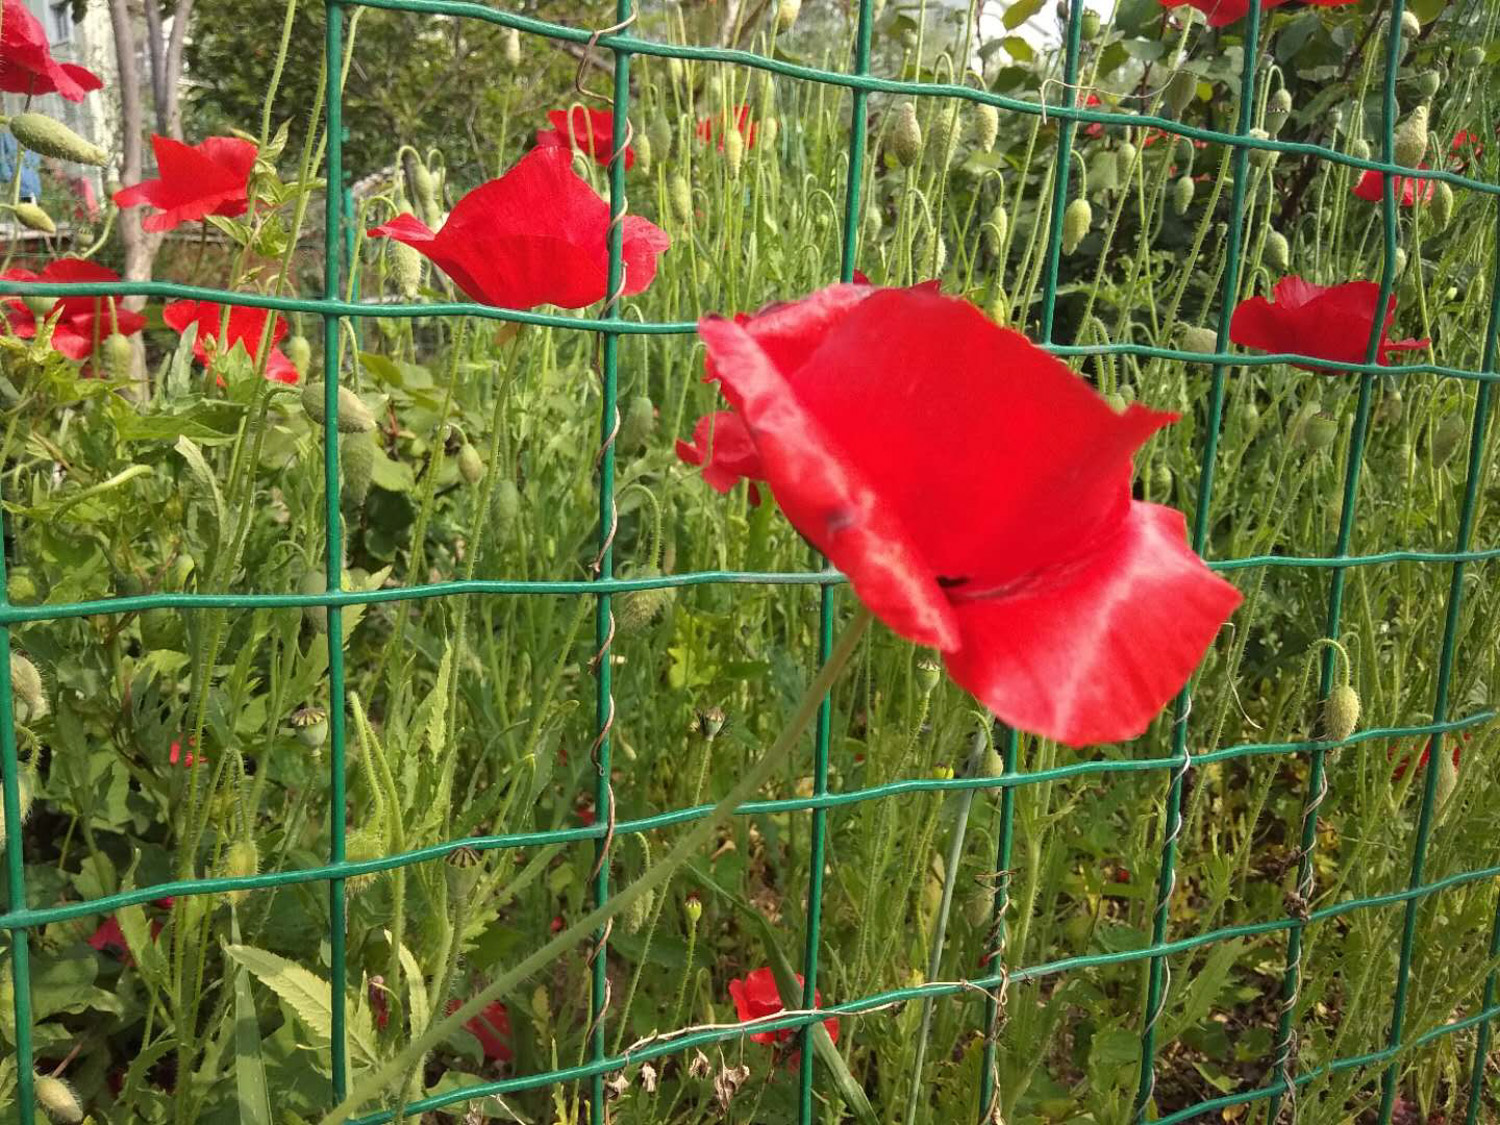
(307, 995)
(416, 992)
(249, 1067)
(1019, 49)
(437, 702)
(1019, 12)
(393, 476)
(1204, 989)
(195, 461)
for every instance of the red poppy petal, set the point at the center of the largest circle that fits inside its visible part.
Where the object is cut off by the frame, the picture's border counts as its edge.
(644, 242)
(722, 445)
(405, 228)
(179, 314)
(825, 497)
(1091, 652)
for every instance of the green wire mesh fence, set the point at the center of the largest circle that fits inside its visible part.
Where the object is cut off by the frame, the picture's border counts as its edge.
(21, 919)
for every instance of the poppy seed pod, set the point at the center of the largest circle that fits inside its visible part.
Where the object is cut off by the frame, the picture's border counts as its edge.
(929, 675)
(906, 136)
(311, 725)
(1441, 209)
(1181, 90)
(1318, 432)
(41, 134)
(39, 306)
(470, 464)
(406, 267)
(354, 416)
(241, 859)
(299, 351)
(1340, 713)
(1089, 25)
(58, 1099)
(637, 425)
(28, 696)
(1278, 250)
(986, 126)
(512, 49)
(1077, 220)
(692, 908)
(680, 196)
(1411, 138)
(464, 868)
(1278, 110)
(787, 12)
(357, 460)
(34, 218)
(1183, 190)
(117, 355)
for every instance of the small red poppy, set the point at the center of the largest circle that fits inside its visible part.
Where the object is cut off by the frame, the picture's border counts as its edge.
(174, 754)
(492, 1028)
(1325, 321)
(1093, 128)
(712, 128)
(1466, 146)
(1370, 188)
(536, 236)
(1221, 13)
(757, 997)
(84, 321)
(110, 938)
(209, 178)
(1400, 771)
(244, 328)
(723, 446)
(590, 131)
(26, 62)
(977, 495)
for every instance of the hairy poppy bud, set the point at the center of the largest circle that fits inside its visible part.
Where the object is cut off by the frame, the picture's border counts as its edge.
(1262, 158)
(1181, 90)
(734, 150)
(770, 129)
(1161, 480)
(470, 464)
(364, 844)
(1125, 157)
(692, 907)
(33, 217)
(986, 126)
(787, 12)
(1248, 416)
(1089, 24)
(1392, 407)
(980, 907)
(934, 257)
(1116, 402)
(1400, 261)
(505, 509)
(874, 221)
(998, 309)
(41, 134)
(311, 725)
(638, 913)
(314, 582)
(636, 609)
(1441, 208)
(299, 351)
(1278, 110)
(58, 1099)
(354, 416)
(680, 196)
(906, 135)
(406, 268)
(997, 228)
(1077, 219)
(929, 675)
(1278, 251)
(944, 139)
(116, 355)
(24, 800)
(1183, 190)
(1411, 138)
(512, 48)
(1447, 435)
(1318, 432)
(1411, 26)
(1102, 173)
(357, 460)
(1340, 713)
(642, 146)
(28, 696)
(1359, 148)
(1428, 83)
(637, 425)
(241, 858)
(1447, 780)
(1472, 57)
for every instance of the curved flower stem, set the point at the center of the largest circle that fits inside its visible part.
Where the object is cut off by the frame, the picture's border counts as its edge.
(703, 831)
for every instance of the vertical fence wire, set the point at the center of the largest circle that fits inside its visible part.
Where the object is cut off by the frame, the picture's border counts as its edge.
(994, 960)
(19, 960)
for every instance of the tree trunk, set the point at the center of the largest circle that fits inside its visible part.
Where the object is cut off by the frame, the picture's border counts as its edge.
(181, 13)
(154, 53)
(140, 251)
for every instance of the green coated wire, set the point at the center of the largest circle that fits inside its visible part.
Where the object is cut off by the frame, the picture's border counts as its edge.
(1060, 170)
(988, 1090)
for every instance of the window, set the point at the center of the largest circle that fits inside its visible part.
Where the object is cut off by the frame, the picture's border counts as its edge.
(60, 22)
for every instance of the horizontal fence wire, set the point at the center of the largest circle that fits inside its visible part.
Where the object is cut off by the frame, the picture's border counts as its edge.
(334, 306)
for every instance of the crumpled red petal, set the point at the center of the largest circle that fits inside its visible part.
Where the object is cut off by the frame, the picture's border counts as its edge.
(244, 327)
(722, 446)
(590, 131)
(1327, 322)
(1221, 13)
(210, 178)
(1370, 188)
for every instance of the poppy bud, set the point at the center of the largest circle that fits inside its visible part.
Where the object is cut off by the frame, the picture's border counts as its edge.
(1278, 110)
(1161, 480)
(24, 801)
(1183, 190)
(770, 129)
(637, 426)
(642, 147)
(980, 907)
(944, 138)
(1101, 173)
(1088, 27)
(299, 351)
(1392, 406)
(1411, 138)
(1411, 26)
(874, 221)
(1125, 157)
(1248, 417)
(734, 150)
(934, 255)
(425, 187)
(1340, 713)
(1428, 83)
(1262, 158)
(1318, 432)
(354, 416)
(241, 858)
(28, 697)
(1116, 402)
(787, 12)
(1181, 90)
(470, 464)
(1077, 219)
(58, 1099)
(1447, 435)
(1447, 780)
(635, 609)
(906, 135)
(999, 308)
(692, 907)
(512, 48)
(541, 1006)
(33, 217)
(1400, 261)
(117, 356)
(315, 582)
(1472, 57)
(363, 844)
(680, 196)
(357, 459)
(505, 509)
(311, 725)
(41, 134)
(1441, 208)
(986, 126)
(929, 675)
(1359, 148)
(996, 229)
(406, 268)
(638, 913)
(1278, 251)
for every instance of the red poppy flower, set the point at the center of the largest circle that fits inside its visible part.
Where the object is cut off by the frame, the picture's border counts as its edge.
(83, 320)
(211, 178)
(492, 1028)
(244, 327)
(590, 131)
(977, 495)
(1370, 189)
(1466, 146)
(536, 236)
(1326, 321)
(1221, 13)
(1400, 771)
(723, 446)
(711, 128)
(1093, 128)
(26, 62)
(757, 997)
(110, 938)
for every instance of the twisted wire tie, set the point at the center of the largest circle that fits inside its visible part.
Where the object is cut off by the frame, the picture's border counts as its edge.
(1174, 833)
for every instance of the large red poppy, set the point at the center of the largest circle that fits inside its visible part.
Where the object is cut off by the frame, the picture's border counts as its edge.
(977, 495)
(757, 997)
(245, 328)
(84, 321)
(1369, 188)
(1221, 13)
(539, 235)
(26, 62)
(590, 131)
(209, 178)
(1325, 321)
(723, 446)
(712, 128)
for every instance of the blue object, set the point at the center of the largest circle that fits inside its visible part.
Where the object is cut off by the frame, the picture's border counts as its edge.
(31, 180)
